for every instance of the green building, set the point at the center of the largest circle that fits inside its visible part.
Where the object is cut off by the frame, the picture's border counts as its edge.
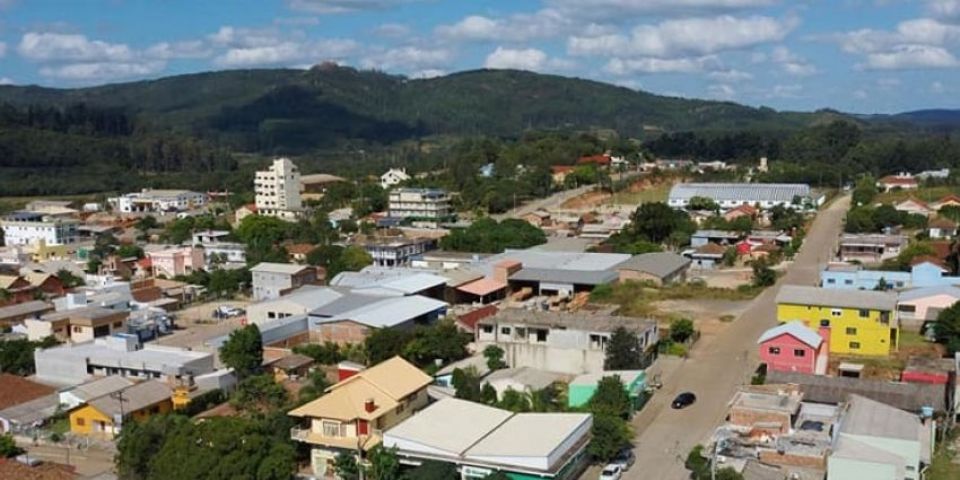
(583, 387)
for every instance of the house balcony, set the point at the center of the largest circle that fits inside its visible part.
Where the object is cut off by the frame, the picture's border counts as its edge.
(306, 435)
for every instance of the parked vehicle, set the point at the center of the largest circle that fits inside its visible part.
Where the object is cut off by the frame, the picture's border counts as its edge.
(624, 459)
(683, 400)
(226, 311)
(611, 472)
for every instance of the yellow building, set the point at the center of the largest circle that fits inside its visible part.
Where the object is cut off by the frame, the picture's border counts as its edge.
(104, 416)
(854, 322)
(352, 415)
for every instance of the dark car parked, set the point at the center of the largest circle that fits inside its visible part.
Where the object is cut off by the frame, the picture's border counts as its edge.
(684, 400)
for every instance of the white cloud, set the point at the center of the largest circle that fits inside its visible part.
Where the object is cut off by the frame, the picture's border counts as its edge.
(239, 37)
(785, 91)
(686, 36)
(792, 63)
(518, 59)
(944, 8)
(186, 49)
(70, 47)
(6, 81)
(904, 57)
(937, 87)
(103, 70)
(286, 53)
(619, 66)
(721, 91)
(428, 73)
(408, 59)
(615, 9)
(341, 6)
(392, 30)
(545, 23)
(732, 75)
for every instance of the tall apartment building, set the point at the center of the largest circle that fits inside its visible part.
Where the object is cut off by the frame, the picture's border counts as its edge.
(277, 190)
(31, 228)
(427, 207)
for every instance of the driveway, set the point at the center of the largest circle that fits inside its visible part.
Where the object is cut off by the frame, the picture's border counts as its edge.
(718, 366)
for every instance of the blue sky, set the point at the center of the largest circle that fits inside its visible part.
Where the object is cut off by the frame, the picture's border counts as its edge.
(853, 55)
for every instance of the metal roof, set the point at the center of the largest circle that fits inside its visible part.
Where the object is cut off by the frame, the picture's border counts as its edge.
(795, 329)
(660, 264)
(381, 312)
(287, 268)
(26, 308)
(924, 292)
(574, 277)
(100, 387)
(529, 435)
(834, 390)
(867, 417)
(572, 321)
(752, 192)
(827, 297)
(134, 398)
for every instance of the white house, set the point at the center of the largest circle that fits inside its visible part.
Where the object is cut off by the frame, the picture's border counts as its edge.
(393, 177)
(159, 201)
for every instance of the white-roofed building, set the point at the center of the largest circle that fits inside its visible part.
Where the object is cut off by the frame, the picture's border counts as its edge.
(731, 195)
(159, 201)
(271, 280)
(481, 440)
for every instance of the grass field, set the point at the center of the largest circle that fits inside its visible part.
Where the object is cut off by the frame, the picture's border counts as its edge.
(654, 193)
(926, 194)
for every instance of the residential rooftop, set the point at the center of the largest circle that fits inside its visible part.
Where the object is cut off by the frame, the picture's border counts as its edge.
(826, 297)
(572, 321)
(133, 398)
(283, 268)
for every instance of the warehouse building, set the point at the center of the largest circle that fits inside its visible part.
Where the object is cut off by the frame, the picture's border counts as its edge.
(731, 195)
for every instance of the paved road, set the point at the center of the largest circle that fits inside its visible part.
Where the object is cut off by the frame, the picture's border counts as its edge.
(719, 364)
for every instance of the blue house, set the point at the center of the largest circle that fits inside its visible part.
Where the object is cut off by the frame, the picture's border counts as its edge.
(854, 277)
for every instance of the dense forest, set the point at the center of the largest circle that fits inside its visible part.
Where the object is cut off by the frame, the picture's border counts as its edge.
(211, 130)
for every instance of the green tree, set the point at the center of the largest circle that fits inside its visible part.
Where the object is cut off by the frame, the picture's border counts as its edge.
(346, 467)
(742, 224)
(702, 203)
(317, 383)
(384, 464)
(611, 398)
(16, 355)
(729, 257)
(494, 356)
(623, 351)
(8, 447)
(656, 222)
(610, 435)
(385, 343)
(488, 394)
(139, 441)
(328, 353)
(860, 220)
(466, 383)
(514, 401)
(146, 223)
(243, 350)
(486, 235)
(699, 467)
(442, 341)
(68, 279)
(947, 328)
(865, 190)
(681, 329)
(763, 275)
(129, 251)
(259, 393)
(432, 470)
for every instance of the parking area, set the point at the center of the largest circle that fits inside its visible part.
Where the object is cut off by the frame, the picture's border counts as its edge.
(196, 324)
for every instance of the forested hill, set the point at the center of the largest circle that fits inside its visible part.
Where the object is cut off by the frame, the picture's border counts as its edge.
(276, 111)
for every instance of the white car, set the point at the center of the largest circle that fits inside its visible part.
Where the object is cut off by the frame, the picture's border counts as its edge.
(226, 311)
(611, 472)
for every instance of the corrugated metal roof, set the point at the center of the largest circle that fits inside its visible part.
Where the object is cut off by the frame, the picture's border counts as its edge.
(828, 297)
(135, 398)
(574, 277)
(379, 312)
(924, 292)
(660, 264)
(834, 390)
(752, 192)
(795, 329)
(868, 417)
(287, 268)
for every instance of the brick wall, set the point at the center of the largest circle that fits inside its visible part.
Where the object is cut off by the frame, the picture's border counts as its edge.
(339, 332)
(750, 418)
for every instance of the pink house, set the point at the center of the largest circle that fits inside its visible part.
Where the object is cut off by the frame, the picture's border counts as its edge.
(792, 347)
(921, 304)
(176, 261)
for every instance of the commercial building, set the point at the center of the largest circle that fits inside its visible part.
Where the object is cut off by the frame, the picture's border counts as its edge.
(31, 228)
(662, 268)
(424, 207)
(481, 440)
(172, 262)
(393, 177)
(277, 190)
(159, 201)
(271, 280)
(119, 355)
(573, 343)
(395, 251)
(546, 272)
(854, 322)
(731, 195)
(880, 442)
(105, 416)
(353, 414)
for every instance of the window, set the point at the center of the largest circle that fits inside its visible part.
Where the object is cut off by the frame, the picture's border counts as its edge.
(799, 352)
(117, 324)
(831, 281)
(77, 329)
(836, 312)
(774, 350)
(855, 345)
(521, 333)
(504, 330)
(864, 313)
(81, 421)
(851, 331)
(331, 429)
(541, 335)
(824, 323)
(486, 328)
(848, 282)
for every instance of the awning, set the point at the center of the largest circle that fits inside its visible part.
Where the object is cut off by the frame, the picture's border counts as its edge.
(484, 286)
